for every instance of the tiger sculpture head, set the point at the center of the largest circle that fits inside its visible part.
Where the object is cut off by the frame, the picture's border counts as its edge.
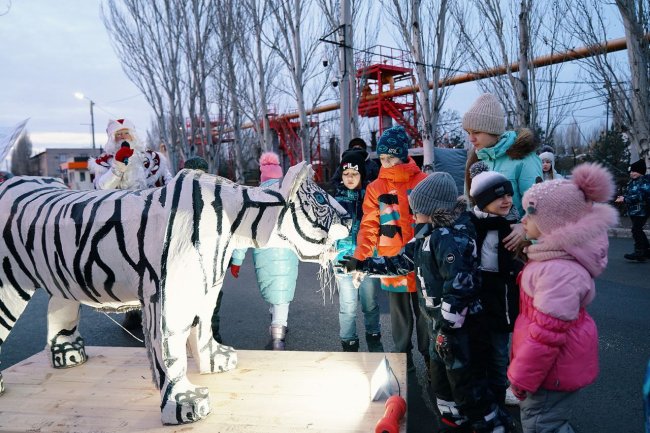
(163, 249)
(312, 219)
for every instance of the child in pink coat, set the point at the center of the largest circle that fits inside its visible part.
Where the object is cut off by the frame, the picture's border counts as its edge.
(555, 340)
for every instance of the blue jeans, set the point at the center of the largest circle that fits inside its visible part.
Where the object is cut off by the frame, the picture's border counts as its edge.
(349, 299)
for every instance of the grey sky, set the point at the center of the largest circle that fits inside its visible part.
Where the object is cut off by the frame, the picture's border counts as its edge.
(51, 49)
(48, 51)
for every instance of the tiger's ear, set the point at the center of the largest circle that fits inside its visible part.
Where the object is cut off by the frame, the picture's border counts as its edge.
(294, 178)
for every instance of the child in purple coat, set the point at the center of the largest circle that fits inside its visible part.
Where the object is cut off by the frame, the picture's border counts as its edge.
(555, 340)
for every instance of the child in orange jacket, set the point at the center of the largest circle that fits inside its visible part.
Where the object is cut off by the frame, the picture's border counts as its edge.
(387, 226)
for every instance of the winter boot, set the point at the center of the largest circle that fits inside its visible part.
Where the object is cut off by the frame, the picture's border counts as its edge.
(450, 420)
(491, 423)
(636, 256)
(374, 342)
(350, 345)
(278, 333)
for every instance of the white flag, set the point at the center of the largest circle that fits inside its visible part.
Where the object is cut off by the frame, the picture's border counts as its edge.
(7, 141)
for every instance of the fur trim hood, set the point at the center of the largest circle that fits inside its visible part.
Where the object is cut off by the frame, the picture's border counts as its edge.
(584, 240)
(446, 217)
(525, 144)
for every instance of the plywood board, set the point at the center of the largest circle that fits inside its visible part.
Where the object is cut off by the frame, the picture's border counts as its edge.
(268, 392)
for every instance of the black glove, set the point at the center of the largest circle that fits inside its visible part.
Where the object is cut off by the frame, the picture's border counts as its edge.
(350, 263)
(444, 345)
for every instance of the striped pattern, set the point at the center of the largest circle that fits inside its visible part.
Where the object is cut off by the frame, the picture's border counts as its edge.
(164, 249)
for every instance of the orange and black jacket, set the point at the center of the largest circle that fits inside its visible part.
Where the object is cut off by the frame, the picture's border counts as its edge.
(388, 223)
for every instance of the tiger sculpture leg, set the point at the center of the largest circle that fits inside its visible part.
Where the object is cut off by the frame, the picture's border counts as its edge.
(12, 305)
(66, 345)
(181, 400)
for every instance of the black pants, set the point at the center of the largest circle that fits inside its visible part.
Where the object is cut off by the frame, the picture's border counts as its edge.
(403, 307)
(641, 244)
(462, 377)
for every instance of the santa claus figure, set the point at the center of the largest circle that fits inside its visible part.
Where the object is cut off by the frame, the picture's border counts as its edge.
(126, 164)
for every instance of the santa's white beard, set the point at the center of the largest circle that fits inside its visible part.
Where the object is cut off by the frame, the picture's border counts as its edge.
(112, 146)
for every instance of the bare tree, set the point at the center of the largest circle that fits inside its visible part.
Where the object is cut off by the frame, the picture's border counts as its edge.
(295, 26)
(522, 27)
(624, 86)
(365, 28)
(200, 63)
(147, 38)
(226, 20)
(635, 20)
(432, 53)
(261, 69)
(20, 156)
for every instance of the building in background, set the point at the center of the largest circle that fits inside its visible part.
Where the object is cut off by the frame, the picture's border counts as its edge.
(48, 162)
(69, 164)
(75, 173)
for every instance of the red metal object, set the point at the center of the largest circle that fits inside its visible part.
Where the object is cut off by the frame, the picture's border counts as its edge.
(378, 81)
(288, 132)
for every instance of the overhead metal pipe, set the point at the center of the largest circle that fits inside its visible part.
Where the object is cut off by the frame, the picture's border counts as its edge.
(546, 60)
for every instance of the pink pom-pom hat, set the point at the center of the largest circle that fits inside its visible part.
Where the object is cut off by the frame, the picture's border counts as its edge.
(270, 166)
(555, 203)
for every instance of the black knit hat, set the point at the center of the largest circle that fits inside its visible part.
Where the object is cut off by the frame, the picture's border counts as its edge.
(357, 142)
(639, 166)
(354, 159)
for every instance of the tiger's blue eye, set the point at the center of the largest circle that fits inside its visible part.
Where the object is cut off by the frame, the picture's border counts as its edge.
(320, 198)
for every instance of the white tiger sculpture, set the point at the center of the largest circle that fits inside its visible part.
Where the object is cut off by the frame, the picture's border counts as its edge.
(165, 249)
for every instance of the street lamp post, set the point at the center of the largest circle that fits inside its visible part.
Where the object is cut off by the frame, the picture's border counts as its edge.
(80, 95)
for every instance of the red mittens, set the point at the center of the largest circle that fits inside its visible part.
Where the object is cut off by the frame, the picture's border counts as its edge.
(234, 270)
(123, 154)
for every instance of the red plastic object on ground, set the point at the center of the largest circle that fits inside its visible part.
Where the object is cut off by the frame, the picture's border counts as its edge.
(395, 410)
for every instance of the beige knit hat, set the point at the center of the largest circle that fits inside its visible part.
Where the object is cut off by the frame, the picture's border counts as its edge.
(485, 115)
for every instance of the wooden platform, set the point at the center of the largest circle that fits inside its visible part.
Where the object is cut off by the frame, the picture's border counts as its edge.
(268, 392)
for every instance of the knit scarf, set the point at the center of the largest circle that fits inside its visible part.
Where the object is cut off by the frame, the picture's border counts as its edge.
(506, 140)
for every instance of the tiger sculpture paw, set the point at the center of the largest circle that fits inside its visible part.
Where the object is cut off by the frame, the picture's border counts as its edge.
(184, 403)
(68, 350)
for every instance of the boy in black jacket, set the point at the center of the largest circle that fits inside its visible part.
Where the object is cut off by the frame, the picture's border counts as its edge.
(493, 215)
(443, 255)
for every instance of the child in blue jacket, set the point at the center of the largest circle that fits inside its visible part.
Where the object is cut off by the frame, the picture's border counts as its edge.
(276, 268)
(350, 193)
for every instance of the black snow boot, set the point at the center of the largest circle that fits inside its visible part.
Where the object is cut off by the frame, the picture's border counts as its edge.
(350, 345)
(636, 256)
(374, 342)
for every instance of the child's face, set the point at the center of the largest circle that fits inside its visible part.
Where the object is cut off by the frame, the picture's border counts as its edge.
(481, 140)
(421, 218)
(351, 178)
(531, 229)
(388, 161)
(501, 206)
(546, 165)
(635, 175)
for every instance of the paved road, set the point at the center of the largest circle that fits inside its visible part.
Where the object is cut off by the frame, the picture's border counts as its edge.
(612, 404)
